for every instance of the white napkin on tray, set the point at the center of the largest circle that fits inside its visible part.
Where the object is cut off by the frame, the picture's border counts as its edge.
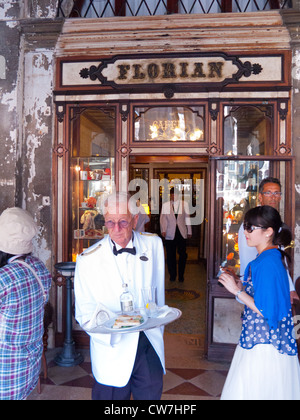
(164, 311)
(101, 315)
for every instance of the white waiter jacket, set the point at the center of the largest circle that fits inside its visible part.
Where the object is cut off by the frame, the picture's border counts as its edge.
(98, 279)
(168, 221)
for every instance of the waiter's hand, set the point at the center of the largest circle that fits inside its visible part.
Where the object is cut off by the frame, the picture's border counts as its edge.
(163, 234)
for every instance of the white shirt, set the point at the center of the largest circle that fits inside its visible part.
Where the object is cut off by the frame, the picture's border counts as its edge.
(143, 219)
(125, 263)
(168, 221)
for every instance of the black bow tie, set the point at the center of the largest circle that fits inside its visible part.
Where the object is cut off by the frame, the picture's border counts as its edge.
(129, 250)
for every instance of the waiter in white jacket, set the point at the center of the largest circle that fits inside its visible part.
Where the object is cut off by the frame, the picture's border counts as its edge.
(132, 363)
(175, 227)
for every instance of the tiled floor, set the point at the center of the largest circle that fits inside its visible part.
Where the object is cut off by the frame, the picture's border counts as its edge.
(189, 375)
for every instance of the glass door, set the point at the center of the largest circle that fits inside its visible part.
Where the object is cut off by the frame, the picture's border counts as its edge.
(236, 190)
(92, 170)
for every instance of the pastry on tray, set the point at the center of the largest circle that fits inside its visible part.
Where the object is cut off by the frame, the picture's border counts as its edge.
(127, 321)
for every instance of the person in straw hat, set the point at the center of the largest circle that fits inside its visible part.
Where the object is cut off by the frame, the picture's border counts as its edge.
(24, 288)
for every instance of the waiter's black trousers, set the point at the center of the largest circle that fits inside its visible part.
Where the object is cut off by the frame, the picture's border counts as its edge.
(146, 381)
(177, 244)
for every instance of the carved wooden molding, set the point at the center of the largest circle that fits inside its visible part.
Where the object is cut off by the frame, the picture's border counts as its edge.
(60, 111)
(124, 150)
(213, 149)
(60, 150)
(283, 110)
(283, 150)
(214, 109)
(59, 280)
(124, 111)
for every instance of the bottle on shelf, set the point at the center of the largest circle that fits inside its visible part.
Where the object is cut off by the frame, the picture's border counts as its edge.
(252, 179)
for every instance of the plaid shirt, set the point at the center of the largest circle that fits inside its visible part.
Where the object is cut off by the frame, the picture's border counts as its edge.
(21, 327)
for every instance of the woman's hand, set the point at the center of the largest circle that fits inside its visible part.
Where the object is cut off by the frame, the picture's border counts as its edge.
(229, 282)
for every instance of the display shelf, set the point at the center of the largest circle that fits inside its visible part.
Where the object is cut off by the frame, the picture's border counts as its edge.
(92, 181)
(237, 187)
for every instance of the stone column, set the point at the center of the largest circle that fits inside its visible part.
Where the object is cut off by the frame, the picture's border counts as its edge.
(36, 122)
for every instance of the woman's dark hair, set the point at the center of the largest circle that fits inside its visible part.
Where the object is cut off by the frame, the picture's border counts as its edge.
(4, 257)
(266, 217)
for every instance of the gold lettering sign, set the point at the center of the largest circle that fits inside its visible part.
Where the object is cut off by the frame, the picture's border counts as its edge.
(168, 71)
(218, 69)
(153, 71)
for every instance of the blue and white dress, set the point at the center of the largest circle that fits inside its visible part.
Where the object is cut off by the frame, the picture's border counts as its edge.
(265, 365)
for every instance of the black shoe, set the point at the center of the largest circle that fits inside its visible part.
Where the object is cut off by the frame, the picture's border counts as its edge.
(171, 279)
(181, 280)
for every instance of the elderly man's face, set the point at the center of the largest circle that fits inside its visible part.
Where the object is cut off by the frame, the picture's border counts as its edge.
(119, 223)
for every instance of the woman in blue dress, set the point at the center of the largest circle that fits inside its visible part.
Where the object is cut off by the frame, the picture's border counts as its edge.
(265, 365)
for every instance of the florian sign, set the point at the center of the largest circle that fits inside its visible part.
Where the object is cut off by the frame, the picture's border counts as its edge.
(209, 69)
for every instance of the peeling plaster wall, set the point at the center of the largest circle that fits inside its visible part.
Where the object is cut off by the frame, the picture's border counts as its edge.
(9, 50)
(42, 8)
(10, 9)
(34, 154)
(35, 160)
(27, 42)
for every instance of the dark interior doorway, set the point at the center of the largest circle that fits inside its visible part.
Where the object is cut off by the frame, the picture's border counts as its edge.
(189, 296)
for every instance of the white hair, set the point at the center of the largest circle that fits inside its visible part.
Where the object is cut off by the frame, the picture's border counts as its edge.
(116, 198)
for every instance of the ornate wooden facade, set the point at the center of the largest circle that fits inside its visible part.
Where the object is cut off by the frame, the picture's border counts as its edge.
(228, 66)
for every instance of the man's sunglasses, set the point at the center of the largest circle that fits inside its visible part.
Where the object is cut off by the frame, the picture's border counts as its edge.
(251, 228)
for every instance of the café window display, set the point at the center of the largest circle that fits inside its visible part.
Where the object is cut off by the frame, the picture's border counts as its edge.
(248, 130)
(237, 190)
(92, 173)
(254, 144)
(169, 124)
(237, 185)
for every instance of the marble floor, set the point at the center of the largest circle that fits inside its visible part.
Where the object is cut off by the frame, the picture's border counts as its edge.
(190, 376)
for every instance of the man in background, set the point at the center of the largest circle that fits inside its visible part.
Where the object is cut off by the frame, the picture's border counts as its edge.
(175, 228)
